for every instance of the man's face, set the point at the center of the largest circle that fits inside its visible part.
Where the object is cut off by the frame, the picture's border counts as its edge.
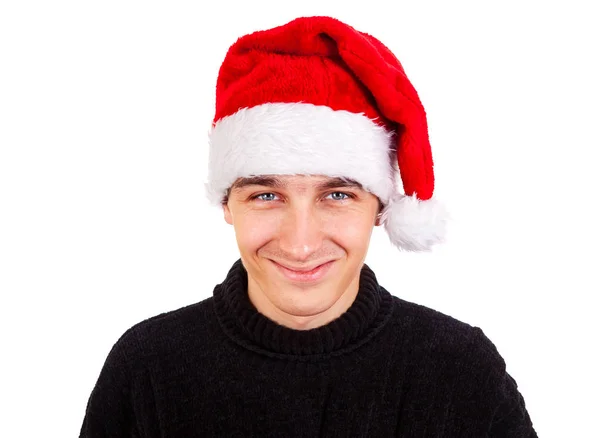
(301, 221)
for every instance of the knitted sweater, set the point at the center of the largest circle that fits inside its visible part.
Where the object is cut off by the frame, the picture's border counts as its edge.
(384, 368)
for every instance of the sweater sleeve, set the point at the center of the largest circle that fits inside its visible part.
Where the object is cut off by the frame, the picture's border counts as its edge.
(510, 418)
(109, 411)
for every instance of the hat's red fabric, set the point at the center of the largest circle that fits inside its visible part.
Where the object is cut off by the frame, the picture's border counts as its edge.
(322, 61)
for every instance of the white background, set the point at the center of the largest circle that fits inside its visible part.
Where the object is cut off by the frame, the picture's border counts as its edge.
(104, 113)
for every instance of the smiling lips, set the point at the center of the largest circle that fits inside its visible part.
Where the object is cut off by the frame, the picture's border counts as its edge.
(291, 268)
(304, 274)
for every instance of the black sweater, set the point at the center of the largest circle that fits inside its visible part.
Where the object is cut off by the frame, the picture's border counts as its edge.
(384, 368)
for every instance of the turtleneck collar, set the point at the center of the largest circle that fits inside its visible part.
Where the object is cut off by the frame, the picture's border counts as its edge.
(243, 323)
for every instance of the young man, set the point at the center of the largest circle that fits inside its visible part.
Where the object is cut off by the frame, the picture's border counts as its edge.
(315, 123)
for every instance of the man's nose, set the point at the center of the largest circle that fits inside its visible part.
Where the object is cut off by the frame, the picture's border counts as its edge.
(301, 232)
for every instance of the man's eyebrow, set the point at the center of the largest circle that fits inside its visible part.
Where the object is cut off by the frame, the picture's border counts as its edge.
(278, 183)
(339, 182)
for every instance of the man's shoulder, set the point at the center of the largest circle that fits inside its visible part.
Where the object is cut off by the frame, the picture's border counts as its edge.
(183, 318)
(425, 320)
(167, 332)
(434, 333)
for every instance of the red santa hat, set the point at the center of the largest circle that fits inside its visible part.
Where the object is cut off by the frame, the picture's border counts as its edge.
(317, 97)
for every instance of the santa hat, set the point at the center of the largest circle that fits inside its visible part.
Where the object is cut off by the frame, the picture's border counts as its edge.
(317, 97)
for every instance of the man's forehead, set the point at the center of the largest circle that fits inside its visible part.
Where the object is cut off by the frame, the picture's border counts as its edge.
(301, 182)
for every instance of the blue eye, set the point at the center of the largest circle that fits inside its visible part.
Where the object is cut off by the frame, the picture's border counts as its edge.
(341, 193)
(262, 194)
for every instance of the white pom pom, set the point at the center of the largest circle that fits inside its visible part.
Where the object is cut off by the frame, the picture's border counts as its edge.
(414, 225)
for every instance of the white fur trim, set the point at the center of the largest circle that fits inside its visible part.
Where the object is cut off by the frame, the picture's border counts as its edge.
(300, 138)
(414, 225)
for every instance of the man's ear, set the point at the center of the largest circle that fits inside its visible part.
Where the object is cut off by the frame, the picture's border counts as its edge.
(378, 217)
(227, 213)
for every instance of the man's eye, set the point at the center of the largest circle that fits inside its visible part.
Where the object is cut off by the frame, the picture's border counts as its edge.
(262, 194)
(347, 196)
